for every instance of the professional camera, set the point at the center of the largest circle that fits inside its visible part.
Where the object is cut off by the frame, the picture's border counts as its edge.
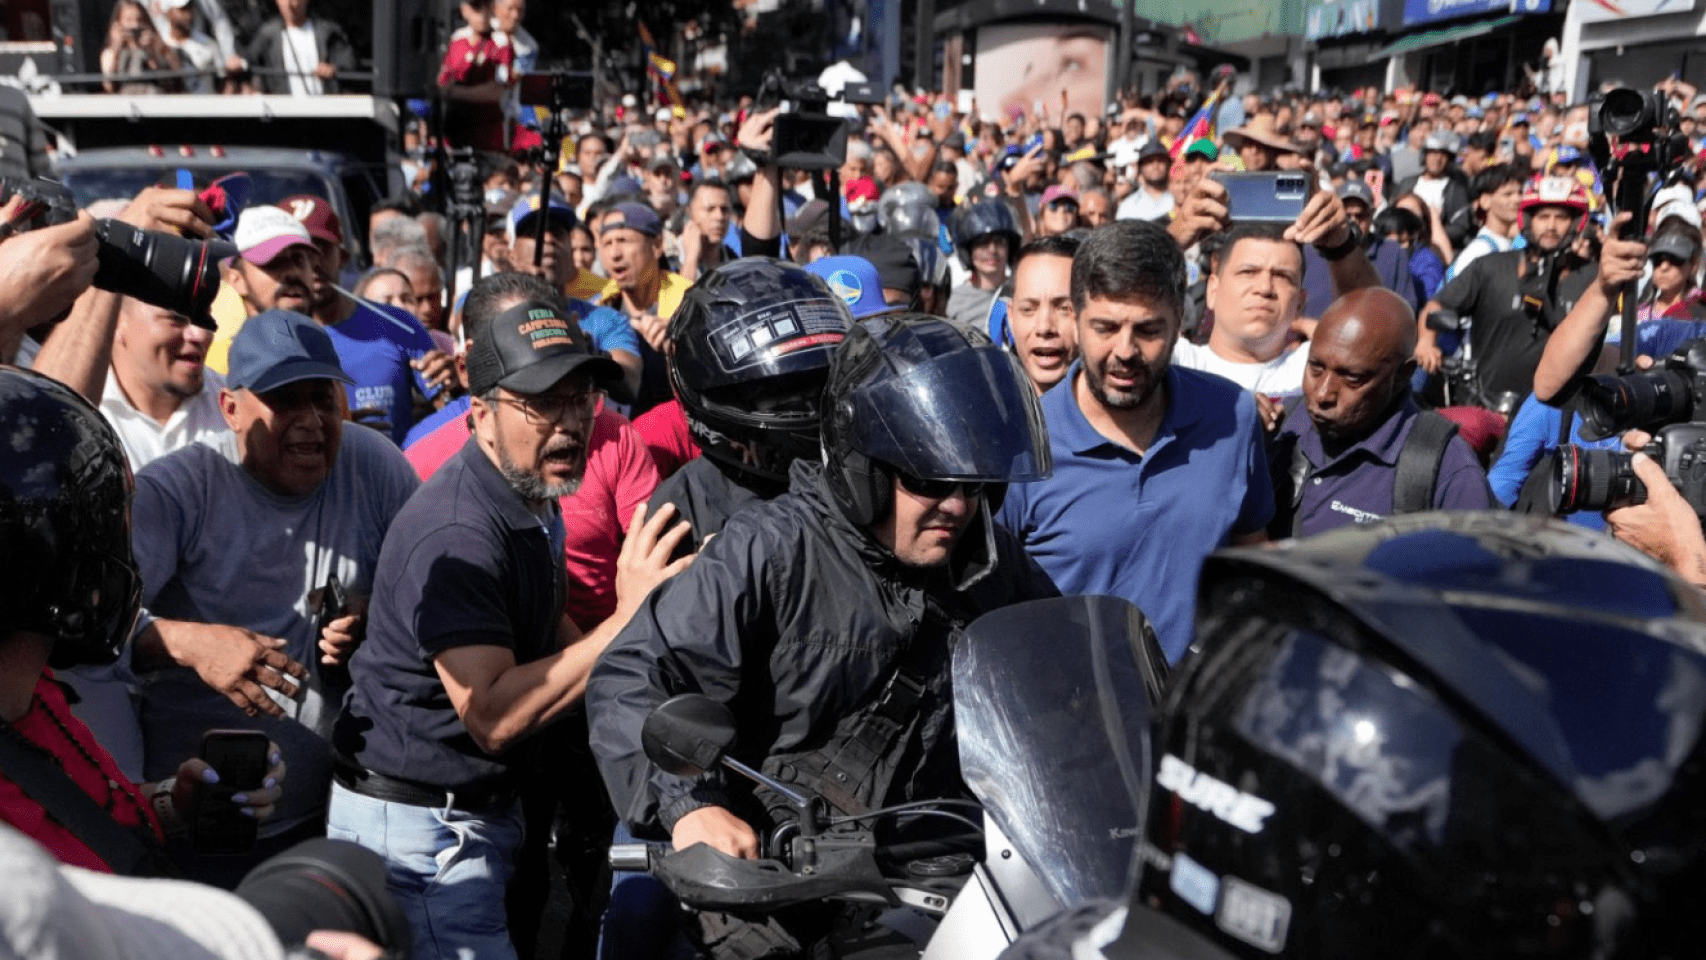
(1630, 115)
(1585, 479)
(163, 269)
(327, 885)
(1672, 392)
(805, 137)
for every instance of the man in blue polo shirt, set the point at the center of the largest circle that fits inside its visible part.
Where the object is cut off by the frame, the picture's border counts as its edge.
(1358, 437)
(469, 653)
(1155, 466)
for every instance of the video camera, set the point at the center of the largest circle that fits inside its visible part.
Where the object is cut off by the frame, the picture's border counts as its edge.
(163, 269)
(327, 885)
(1669, 401)
(805, 136)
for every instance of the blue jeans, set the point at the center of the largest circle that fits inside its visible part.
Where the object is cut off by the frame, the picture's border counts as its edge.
(643, 920)
(447, 868)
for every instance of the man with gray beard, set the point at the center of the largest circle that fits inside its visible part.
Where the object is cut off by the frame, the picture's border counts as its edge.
(469, 652)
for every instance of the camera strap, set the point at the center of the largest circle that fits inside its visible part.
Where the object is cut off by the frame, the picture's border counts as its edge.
(34, 771)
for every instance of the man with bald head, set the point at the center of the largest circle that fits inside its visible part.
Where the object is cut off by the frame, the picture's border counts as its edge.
(1358, 449)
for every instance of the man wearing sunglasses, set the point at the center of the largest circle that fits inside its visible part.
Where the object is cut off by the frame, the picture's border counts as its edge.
(825, 617)
(470, 651)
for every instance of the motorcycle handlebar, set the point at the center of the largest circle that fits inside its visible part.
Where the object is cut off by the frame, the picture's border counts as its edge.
(631, 857)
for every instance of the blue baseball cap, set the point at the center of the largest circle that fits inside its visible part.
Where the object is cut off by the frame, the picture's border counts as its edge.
(630, 216)
(280, 347)
(854, 280)
(521, 215)
(1568, 154)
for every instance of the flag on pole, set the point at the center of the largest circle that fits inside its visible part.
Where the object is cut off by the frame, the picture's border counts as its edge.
(1200, 127)
(662, 69)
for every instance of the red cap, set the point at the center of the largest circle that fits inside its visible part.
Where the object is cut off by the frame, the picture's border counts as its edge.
(315, 214)
(863, 188)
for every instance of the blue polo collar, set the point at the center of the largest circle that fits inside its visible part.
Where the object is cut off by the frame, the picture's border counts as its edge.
(1068, 425)
(1383, 445)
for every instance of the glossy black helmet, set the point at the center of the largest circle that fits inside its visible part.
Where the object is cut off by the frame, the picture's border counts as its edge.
(65, 555)
(917, 394)
(753, 340)
(1448, 735)
(987, 218)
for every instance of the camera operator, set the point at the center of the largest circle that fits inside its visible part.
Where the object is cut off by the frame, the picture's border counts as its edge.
(42, 272)
(72, 595)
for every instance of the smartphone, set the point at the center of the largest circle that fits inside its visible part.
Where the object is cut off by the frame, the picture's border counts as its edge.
(240, 759)
(1270, 196)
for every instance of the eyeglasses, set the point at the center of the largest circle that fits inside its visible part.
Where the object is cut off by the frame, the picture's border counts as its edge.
(937, 489)
(1063, 205)
(549, 408)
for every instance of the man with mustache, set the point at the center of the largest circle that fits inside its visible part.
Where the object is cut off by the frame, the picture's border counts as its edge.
(470, 653)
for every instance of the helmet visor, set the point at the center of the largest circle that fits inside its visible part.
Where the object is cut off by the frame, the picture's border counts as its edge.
(966, 415)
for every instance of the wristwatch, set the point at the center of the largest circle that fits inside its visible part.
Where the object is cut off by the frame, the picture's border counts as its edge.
(1353, 240)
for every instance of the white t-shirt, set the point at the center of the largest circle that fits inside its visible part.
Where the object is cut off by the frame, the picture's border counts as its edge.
(301, 56)
(199, 53)
(1279, 377)
(1433, 191)
(1141, 206)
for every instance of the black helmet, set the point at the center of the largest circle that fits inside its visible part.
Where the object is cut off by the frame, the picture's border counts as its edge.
(1447, 735)
(915, 393)
(64, 522)
(753, 340)
(984, 219)
(908, 208)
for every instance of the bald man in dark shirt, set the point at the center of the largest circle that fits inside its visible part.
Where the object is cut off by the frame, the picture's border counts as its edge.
(1358, 449)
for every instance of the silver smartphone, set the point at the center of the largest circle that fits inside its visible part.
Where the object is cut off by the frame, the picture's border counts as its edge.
(1270, 196)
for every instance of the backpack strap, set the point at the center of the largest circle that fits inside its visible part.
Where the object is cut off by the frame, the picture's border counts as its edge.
(1417, 474)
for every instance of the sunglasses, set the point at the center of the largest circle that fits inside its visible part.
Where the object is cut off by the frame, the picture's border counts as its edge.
(937, 489)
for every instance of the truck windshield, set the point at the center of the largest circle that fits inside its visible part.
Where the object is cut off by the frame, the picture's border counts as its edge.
(122, 183)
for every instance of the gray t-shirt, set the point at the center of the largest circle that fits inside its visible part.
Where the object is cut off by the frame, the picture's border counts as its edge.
(215, 546)
(969, 305)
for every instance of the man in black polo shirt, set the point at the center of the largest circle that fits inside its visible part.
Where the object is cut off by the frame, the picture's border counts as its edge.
(468, 651)
(1358, 449)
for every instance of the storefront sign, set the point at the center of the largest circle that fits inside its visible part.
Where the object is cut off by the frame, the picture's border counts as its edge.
(1428, 11)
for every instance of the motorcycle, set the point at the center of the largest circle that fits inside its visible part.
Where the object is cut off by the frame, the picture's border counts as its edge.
(1053, 704)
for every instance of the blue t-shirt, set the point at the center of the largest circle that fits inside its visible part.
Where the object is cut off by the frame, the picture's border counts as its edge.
(607, 327)
(1112, 521)
(438, 418)
(377, 346)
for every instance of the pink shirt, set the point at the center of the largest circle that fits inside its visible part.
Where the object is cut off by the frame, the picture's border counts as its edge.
(619, 476)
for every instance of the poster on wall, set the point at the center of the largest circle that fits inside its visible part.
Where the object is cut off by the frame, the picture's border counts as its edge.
(1605, 11)
(1024, 66)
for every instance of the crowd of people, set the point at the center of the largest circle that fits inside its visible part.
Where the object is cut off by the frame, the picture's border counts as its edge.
(698, 422)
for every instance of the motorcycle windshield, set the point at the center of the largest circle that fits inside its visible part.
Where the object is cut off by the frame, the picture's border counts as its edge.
(1054, 702)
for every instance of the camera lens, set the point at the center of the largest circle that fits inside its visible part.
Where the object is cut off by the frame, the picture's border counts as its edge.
(160, 268)
(327, 885)
(1611, 405)
(1623, 112)
(1586, 479)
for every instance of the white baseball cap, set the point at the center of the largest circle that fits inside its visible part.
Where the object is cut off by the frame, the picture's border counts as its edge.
(264, 232)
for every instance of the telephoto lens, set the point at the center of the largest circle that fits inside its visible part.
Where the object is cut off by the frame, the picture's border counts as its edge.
(1595, 480)
(1611, 405)
(327, 885)
(161, 268)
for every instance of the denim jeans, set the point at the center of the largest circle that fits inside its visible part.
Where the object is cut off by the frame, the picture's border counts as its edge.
(643, 920)
(447, 867)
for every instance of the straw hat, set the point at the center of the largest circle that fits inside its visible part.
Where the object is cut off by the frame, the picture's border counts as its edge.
(1260, 130)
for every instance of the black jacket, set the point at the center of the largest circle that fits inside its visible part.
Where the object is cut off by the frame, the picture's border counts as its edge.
(1456, 192)
(795, 619)
(706, 496)
(266, 53)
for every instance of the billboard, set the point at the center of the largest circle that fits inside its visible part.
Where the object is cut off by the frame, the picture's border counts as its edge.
(1338, 19)
(1021, 66)
(1607, 11)
(1428, 11)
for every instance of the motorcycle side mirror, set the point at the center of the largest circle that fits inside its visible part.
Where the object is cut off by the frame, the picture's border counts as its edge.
(688, 734)
(1445, 321)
